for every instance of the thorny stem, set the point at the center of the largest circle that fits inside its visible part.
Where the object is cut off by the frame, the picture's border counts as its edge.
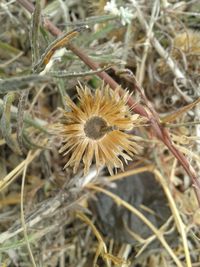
(161, 132)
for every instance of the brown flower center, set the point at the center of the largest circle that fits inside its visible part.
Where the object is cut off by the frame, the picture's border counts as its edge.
(96, 127)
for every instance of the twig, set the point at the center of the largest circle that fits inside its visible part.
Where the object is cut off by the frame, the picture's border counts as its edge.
(22, 211)
(65, 74)
(172, 65)
(179, 223)
(147, 44)
(3, 65)
(11, 176)
(163, 134)
(88, 61)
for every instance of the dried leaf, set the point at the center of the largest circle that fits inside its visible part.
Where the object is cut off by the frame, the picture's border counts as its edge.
(6, 123)
(174, 115)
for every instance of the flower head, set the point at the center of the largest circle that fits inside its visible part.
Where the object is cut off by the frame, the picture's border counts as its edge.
(111, 7)
(124, 13)
(95, 129)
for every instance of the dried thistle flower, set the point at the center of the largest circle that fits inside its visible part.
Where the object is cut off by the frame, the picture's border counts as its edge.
(95, 129)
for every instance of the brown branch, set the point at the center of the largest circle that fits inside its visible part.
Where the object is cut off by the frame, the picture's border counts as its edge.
(161, 132)
(88, 61)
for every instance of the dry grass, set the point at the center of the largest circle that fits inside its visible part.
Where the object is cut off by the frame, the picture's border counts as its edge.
(52, 217)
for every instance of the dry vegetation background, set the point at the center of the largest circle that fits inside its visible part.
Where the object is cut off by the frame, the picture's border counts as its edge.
(145, 216)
